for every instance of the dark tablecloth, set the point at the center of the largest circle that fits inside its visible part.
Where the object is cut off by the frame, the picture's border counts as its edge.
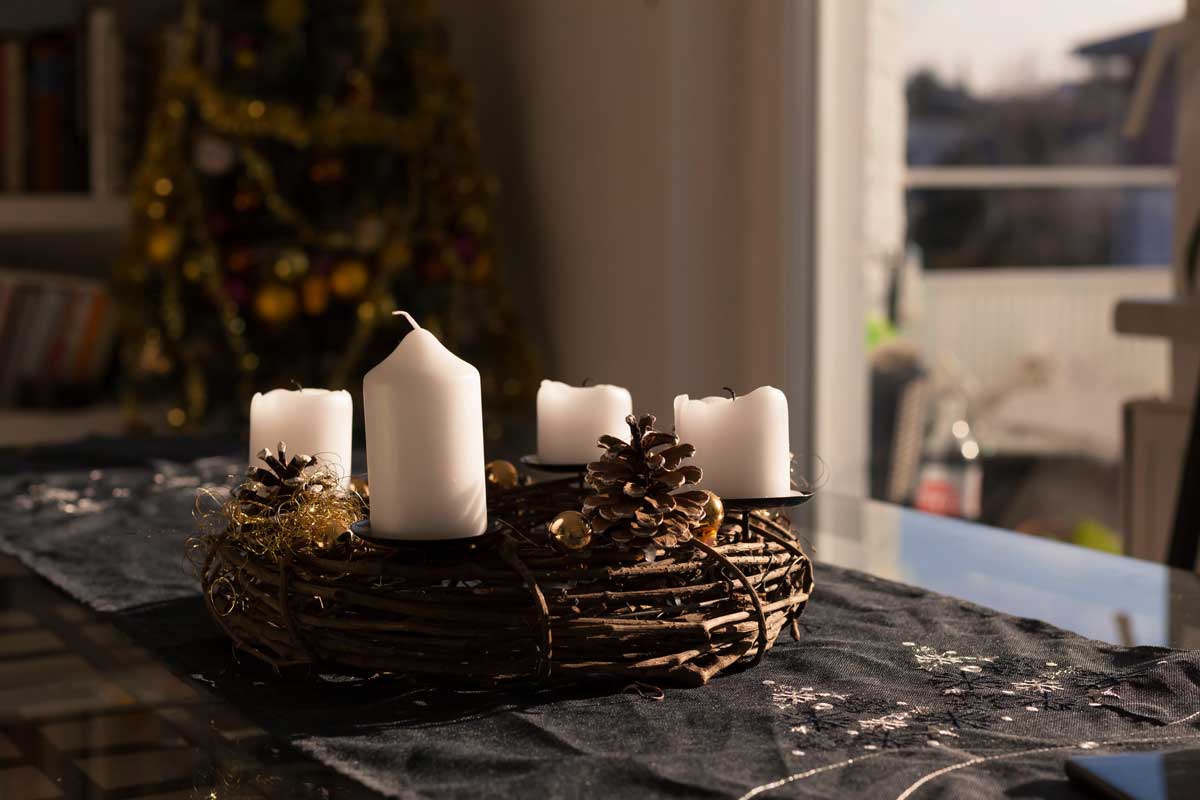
(892, 691)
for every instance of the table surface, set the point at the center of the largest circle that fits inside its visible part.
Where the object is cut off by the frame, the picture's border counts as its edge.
(86, 712)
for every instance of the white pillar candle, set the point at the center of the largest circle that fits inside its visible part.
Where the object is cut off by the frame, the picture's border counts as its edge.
(424, 417)
(571, 418)
(316, 422)
(741, 444)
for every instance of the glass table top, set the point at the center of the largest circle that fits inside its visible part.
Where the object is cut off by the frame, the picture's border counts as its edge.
(1112, 598)
(86, 712)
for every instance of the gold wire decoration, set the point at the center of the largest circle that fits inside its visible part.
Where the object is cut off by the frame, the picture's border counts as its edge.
(312, 518)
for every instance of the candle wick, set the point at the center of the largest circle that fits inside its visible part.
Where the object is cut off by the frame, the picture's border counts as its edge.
(585, 381)
(407, 316)
(732, 393)
(296, 383)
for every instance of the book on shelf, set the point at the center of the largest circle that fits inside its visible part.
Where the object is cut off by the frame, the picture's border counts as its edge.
(12, 108)
(57, 336)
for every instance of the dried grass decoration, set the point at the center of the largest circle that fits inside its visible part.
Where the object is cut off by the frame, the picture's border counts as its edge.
(631, 576)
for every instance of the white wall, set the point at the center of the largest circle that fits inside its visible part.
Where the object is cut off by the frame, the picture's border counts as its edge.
(650, 190)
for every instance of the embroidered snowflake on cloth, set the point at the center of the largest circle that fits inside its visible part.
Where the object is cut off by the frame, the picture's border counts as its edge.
(975, 693)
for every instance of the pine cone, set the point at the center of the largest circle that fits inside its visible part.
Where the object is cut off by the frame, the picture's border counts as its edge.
(282, 480)
(637, 499)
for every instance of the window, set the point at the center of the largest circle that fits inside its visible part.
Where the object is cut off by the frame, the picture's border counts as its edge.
(1028, 214)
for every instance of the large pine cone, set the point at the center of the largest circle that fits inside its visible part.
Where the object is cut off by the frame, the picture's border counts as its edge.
(640, 488)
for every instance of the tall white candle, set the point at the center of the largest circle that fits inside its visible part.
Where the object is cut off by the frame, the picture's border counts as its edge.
(571, 418)
(316, 422)
(742, 444)
(424, 417)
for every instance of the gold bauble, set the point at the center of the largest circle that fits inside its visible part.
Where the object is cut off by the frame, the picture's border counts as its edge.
(349, 278)
(369, 232)
(275, 304)
(326, 536)
(286, 15)
(714, 515)
(570, 530)
(239, 259)
(162, 243)
(360, 487)
(502, 474)
(475, 219)
(291, 264)
(246, 200)
(245, 58)
(314, 294)
(395, 255)
(481, 268)
(327, 170)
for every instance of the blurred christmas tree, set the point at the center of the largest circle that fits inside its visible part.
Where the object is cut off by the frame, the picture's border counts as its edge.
(309, 167)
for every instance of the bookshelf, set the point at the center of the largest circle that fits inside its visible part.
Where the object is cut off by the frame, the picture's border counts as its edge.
(73, 75)
(34, 214)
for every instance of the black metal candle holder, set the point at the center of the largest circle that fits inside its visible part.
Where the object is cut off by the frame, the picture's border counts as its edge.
(533, 462)
(747, 505)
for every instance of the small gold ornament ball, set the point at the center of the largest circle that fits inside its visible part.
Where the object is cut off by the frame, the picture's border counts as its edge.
(349, 278)
(327, 537)
(369, 233)
(395, 255)
(501, 474)
(714, 514)
(163, 243)
(314, 292)
(570, 530)
(275, 303)
(360, 487)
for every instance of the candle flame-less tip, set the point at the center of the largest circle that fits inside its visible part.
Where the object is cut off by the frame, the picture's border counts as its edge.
(408, 317)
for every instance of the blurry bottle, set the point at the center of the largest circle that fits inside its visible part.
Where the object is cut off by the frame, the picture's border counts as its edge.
(951, 477)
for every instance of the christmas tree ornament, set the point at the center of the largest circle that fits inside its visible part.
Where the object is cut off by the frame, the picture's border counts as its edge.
(275, 304)
(502, 474)
(640, 495)
(481, 268)
(239, 259)
(245, 58)
(395, 255)
(246, 200)
(349, 278)
(291, 264)
(570, 530)
(369, 232)
(314, 295)
(212, 155)
(326, 170)
(163, 243)
(475, 219)
(286, 15)
(714, 513)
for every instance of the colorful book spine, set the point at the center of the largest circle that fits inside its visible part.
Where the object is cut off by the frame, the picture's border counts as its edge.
(14, 115)
(57, 337)
(48, 115)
